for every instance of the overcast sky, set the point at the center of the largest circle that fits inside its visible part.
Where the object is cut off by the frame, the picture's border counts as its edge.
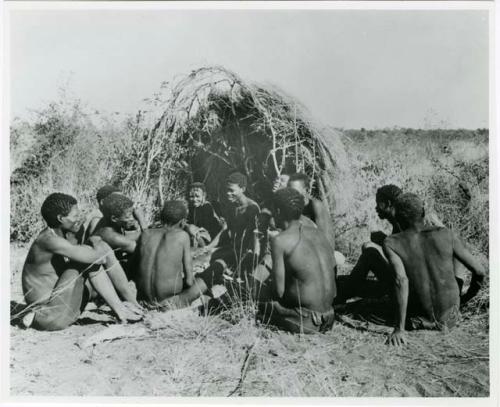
(351, 69)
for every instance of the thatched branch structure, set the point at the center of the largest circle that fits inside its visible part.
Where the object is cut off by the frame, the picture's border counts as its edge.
(219, 123)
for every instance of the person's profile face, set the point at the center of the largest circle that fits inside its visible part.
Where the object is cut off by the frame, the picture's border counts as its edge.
(196, 197)
(234, 192)
(384, 209)
(73, 221)
(298, 186)
(280, 182)
(126, 220)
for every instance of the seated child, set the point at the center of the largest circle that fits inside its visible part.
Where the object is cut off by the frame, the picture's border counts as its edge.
(57, 271)
(163, 263)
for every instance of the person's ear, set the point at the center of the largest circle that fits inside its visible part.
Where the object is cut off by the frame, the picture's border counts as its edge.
(60, 218)
(114, 219)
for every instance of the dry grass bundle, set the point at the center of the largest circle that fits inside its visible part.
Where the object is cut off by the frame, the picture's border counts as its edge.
(214, 122)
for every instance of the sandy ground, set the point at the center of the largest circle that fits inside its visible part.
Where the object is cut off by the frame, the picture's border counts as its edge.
(185, 354)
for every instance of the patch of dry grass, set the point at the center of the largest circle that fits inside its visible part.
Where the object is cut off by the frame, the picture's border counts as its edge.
(188, 354)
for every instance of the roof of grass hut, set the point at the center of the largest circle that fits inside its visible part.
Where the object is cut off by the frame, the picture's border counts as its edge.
(221, 123)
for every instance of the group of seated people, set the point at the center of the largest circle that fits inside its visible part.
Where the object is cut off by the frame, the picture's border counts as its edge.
(283, 251)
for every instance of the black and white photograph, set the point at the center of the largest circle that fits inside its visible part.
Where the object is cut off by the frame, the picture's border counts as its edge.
(246, 199)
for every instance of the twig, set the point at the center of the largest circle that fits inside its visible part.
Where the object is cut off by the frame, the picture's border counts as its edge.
(244, 369)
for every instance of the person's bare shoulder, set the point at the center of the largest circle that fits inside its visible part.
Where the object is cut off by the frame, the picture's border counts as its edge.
(105, 231)
(150, 234)
(391, 241)
(438, 234)
(436, 230)
(288, 238)
(279, 239)
(178, 234)
(48, 241)
(252, 205)
(183, 235)
(47, 236)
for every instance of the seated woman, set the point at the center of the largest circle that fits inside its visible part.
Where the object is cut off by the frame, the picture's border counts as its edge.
(203, 223)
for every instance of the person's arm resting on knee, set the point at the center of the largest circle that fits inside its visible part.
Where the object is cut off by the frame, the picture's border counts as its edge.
(119, 241)
(401, 287)
(80, 253)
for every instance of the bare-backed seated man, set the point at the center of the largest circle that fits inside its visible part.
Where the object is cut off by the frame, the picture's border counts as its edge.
(373, 258)
(314, 209)
(57, 271)
(118, 228)
(162, 262)
(422, 261)
(303, 271)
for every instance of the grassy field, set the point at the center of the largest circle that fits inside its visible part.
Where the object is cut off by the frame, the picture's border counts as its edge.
(65, 149)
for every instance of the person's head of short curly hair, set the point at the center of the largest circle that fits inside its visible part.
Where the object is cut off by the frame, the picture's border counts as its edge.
(237, 178)
(388, 193)
(56, 204)
(114, 205)
(409, 209)
(105, 191)
(173, 212)
(289, 202)
(198, 185)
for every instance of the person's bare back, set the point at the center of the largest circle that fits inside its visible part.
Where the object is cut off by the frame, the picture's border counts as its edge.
(427, 256)
(303, 271)
(160, 263)
(309, 268)
(422, 260)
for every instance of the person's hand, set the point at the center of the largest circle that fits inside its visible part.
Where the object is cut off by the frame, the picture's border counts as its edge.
(378, 237)
(203, 234)
(397, 337)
